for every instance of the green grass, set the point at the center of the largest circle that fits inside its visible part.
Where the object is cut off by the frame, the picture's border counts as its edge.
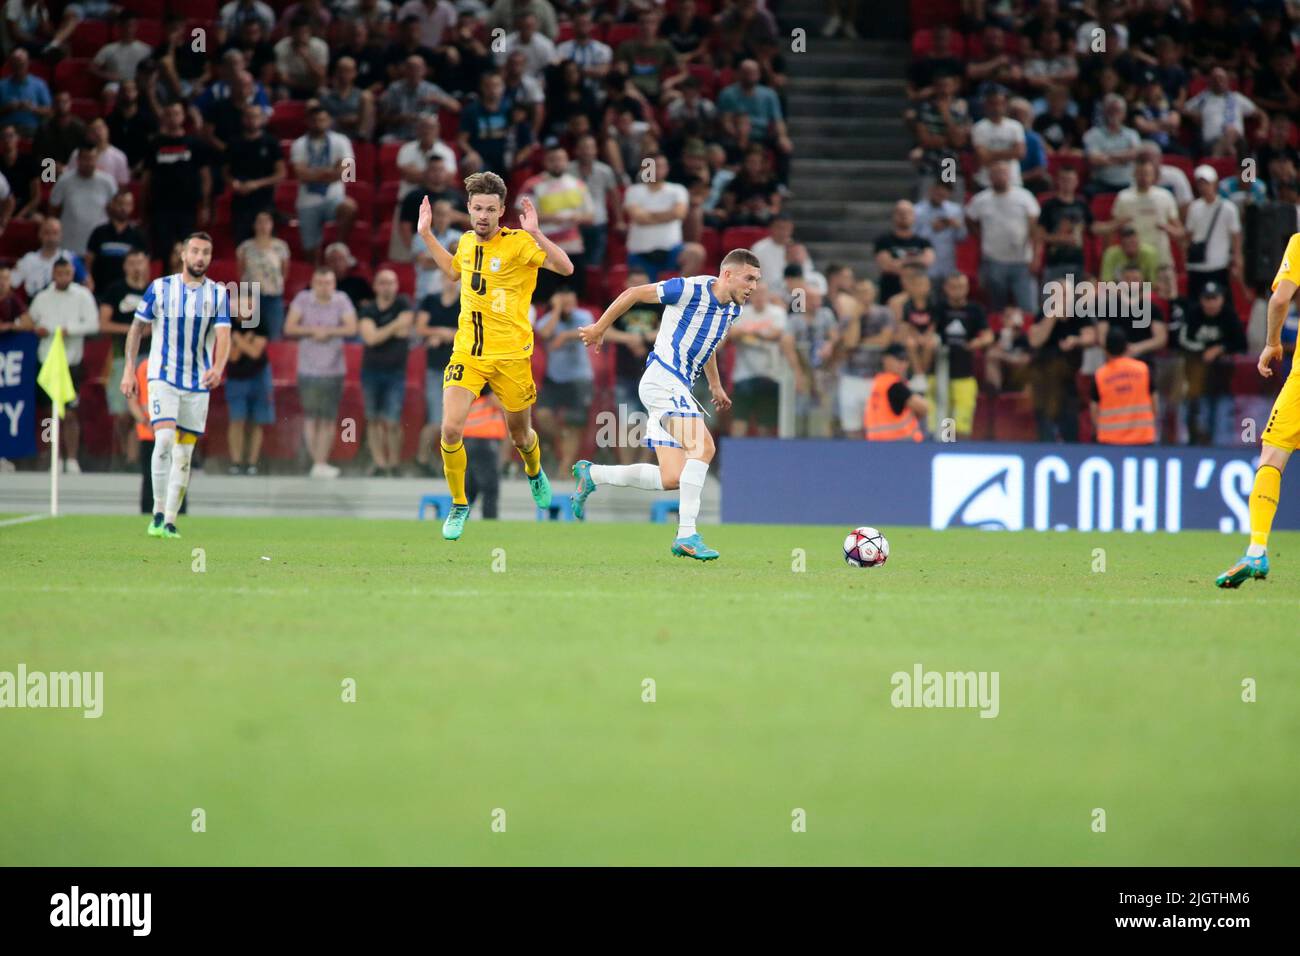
(522, 690)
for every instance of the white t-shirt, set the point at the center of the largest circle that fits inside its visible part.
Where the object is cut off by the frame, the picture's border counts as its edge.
(761, 359)
(662, 235)
(413, 154)
(1219, 110)
(1175, 180)
(1002, 135)
(772, 262)
(539, 53)
(73, 310)
(1218, 251)
(1146, 211)
(313, 153)
(111, 161)
(120, 60)
(1004, 224)
(85, 205)
(34, 271)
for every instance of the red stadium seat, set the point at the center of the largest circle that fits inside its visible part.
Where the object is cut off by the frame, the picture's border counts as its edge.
(359, 239)
(365, 156)
(931, 13)
(149, 31)
(1180, 162)
(619, 33)
(711, 240)
(20, 237)
(224, 270)
(388, 161)
(386, 197)
(363, 194)
(741, 237)
(1078, 163)
(1225, 166)
(1101, 206)
(405, 275)
(89, 37)
(73, 75)
(286, 197)
(147, 9)
(448, 126)
(288, 119)
(202, 9)
(86, 107)
(299, 278)
(1013, 417)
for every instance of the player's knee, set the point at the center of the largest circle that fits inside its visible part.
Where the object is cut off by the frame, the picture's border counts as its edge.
(452, 434)
(519, 434)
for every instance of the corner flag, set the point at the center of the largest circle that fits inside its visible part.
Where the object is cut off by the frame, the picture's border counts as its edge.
(55, 377)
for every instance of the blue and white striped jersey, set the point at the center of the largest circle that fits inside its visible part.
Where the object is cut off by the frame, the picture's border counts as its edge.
(185, 324)
(693, 325)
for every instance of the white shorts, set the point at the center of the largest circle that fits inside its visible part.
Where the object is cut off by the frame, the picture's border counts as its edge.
(167, 403)
(853, 401)
(663, 394)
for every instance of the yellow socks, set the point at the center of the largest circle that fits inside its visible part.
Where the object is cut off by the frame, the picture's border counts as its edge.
(455, 462)
(1263, 504)
(532, 457)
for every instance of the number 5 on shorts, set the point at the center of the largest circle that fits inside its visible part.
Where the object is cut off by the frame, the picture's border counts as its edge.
(157, 408)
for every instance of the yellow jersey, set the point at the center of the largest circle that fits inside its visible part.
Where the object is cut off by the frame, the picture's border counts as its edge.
(1290, 267)
(497, 282)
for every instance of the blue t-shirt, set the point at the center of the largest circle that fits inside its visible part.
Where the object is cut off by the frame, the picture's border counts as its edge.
(487, 130)
(33, 90)
(762, 104)
(569, 362)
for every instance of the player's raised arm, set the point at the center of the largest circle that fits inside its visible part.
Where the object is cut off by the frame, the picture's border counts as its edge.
(1278, 305)
(424, 228)
(557, 260)
(593, 335)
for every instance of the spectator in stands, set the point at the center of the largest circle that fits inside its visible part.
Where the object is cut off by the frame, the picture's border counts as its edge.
(774, 252)
(1064, 221)
(302, 59)
(524, 91)
(866, 329)
(319, 157)
(942, 130)
(178, 185)
(406, 99)
(816, 337)
(1214, 39)
(1150, 210)
(472, 58)
(593, 57)
(117, 61)
(1006, 215)
(436, 18)
(263, 264)
(1111, 149)
(602, 185)
(437, 186)
(1034, 174)
(31, 27)
(117, 300)
(962, 327)
(1221, 113)
(317, 17)
(23, 174)
(254, 167)
(35, 269)
(1245, 187)
(944, 58)
(339, 258)
(351, 107)
(763, 107)
(1154, 118)
(484, 125)
(385, 323)
(11, 303)
(1146, 332)
(1006, 364)
(764, 351)
(564, 398)
(1277, 158)
(754, 196)
(59, 135)
(250, 394)
(367, 48)
(1168, 177)
(646, 60)
(633, 335)
(1129, 252)
(893, 411)
(436, 322)
(132, 125)
(67, 305)
(538, 51)
(414, 156)
(108, 158)
(321, 318)
(257, 52)
(111, 242)
(567, 97)
(506, 13)
(80, 199)
(940, 222)
(655, 211)
(564, 206)
(997, 137)
(902, 246)
(429, 278)
(913, 310)
(1052, 64)
(405, 44)
(1277, 89)
(238, 12)
(1213, 234)
(182, 70)
(1058, 123)
(683, 28)
(998, 64)
(1210, 335)
(1058, 339)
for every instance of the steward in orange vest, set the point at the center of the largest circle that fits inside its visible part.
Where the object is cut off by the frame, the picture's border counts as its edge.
(1121, 397)
(484, 428)
(485, 420)
(892, 412)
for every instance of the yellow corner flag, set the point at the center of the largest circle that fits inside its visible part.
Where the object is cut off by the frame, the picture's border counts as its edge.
(55, 377)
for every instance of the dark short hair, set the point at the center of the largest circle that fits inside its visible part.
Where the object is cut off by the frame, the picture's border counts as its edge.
(198, 235)
(62, 261)
(896, 351)
(1116, 341)
(741, 257)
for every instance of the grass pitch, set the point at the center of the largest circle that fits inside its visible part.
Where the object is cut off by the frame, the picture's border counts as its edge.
(521, 690)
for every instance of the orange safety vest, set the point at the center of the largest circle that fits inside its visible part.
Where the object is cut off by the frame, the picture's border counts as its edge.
(143, 430)
(485, 420)
(1124, 415)
(879, 420)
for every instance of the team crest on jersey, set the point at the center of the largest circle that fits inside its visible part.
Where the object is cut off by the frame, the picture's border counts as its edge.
(495, 264)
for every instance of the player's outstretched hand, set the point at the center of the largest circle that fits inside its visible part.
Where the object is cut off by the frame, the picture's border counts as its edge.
(527, 215)
(425, 221)
(210, 379)
(128, 384)
(591, 336)
(1267, 356)
(720, 399)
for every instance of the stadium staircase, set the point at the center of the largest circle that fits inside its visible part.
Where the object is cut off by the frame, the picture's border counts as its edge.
(846, 101)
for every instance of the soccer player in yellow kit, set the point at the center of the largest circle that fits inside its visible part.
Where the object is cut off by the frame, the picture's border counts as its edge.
(1281, 435)
(494, 342)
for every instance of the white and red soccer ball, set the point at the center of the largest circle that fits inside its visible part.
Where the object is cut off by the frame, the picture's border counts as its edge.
(866, 548)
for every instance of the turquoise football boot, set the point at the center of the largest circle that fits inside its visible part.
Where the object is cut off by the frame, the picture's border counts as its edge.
(694, 547)
(1243, 571)
(540, 486)
(455, 523)
(585, 486)
(156, 526)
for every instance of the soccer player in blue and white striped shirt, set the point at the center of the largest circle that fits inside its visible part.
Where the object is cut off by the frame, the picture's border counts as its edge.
(698, 311)
(190, 317)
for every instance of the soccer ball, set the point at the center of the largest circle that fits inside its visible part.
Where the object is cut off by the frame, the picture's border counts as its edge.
(866, 548)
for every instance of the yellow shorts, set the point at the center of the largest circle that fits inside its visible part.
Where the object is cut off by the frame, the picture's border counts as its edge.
(962, 395)
(1283, 428)
(511, 379)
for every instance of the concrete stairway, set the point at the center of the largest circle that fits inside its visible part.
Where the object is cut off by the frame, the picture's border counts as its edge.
(846, 100)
